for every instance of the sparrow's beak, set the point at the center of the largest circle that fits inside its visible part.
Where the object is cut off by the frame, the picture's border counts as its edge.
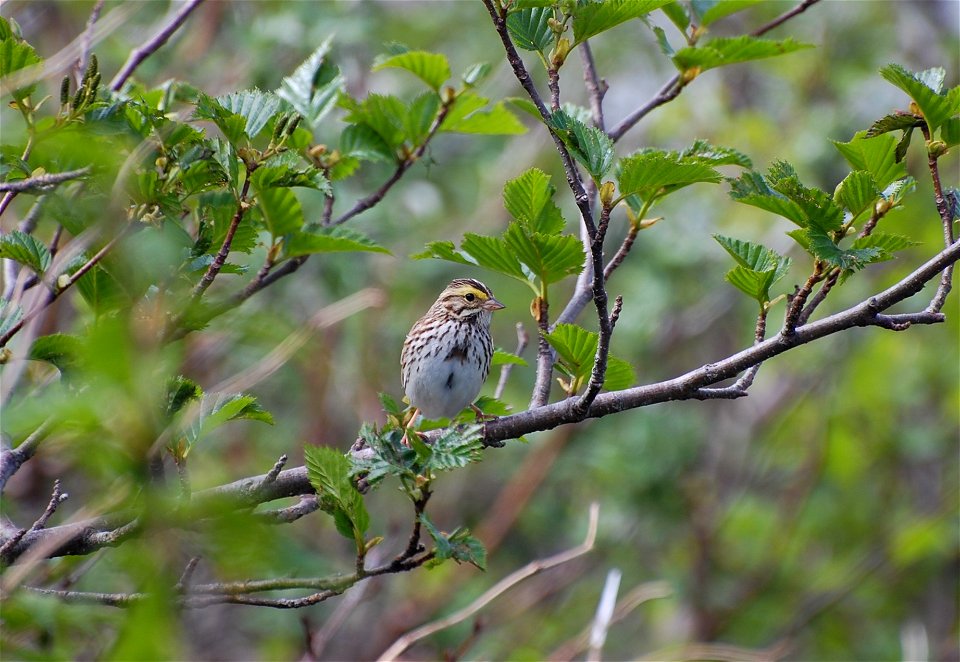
(492, 304)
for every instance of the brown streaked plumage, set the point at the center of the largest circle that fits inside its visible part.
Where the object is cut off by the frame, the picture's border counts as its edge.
(446, 356)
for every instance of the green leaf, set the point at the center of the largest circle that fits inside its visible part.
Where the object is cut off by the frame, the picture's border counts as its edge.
(14, 56)
(329, 473)
(420, 117)
(715, 155)
(362, 142)
(282, 213)
(235, 407)
(459, 545)
(257, 108)
(894, 122)
(289, 174)
(475, 73)
(384, 114)
(328, 240)
(313, 88)
(619, 374)
(10, 315)
(924, 89)
(731, 50)
(25, 249)
(455, 447)
(492, 253)
(652, 174)
(62, 350)
(575, 346)
(851, 259)
(711, 11)
(529, 199)
(877, 155)
(592, 18)
(432, 68)
(887, 244)
(180, 392)
(469, 115)
(950, 132)
(529, 28)
(677, 14)
(857, 192)
(758, 267)
(102, 292)
(592, 147)
(502, 357)
(491, 406)
(551, 258)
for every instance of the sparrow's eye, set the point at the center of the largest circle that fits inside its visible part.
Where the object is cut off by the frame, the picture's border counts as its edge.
(469, 296)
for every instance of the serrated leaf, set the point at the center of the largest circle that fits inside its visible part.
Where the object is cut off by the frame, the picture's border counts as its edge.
(731, 50)
(551, 258)
(59, 349)
(818, 208)
(432, 68)
(362, 142)
(257, 108)
(887, 244)
(592, 147)
(25, 249)
(924, 89)
(592, 18)
(281, 209)
(314, 86)
(677, 14)
(420, 116)
(382, 113)
(857, 192)
(444, 250)
(758, 267)
(503, 357)
(492, 253)
(459, 545)
(455, 447)
(753, 283)
(469, 115)
(751, 255)
(652, 174)
(529, 28)
(10, 315)
(619, 374)
(711, 11)
(329, 472)
(716, 155)
(14, 56)
(389, 404)
(575, 346)
(181, 391)
(893, 122)
(663, 42)
(329, 240)
(850, 259)
(877, 155)
(529, 199)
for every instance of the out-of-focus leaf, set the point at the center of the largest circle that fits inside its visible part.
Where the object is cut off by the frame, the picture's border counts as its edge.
(312, 89)
(432, 68)
(711, 11)
(60, 349)
(469, 114)
(329, 240)
(25, 249)
(731, 50)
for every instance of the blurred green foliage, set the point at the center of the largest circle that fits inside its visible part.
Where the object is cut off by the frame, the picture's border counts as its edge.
(819, 514)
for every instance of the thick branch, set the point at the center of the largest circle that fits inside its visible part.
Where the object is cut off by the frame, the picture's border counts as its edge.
(88, 536)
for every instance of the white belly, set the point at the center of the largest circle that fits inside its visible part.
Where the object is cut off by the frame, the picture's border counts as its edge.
(442, 388)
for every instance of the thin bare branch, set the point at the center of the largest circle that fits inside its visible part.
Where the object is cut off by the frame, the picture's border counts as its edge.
(86, 40)
(221, 257)
(522, 339)
(11, 459)
(43, 182)
(596, 86)
(138, 55)
(514, 578)
(56, 498)
(673, 87)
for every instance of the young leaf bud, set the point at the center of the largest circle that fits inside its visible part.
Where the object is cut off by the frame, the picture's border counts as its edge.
(648, 222)
(607, 192)
(63, 281)
(559, 54)
(936, 148)
(555, 25)
(448, 95)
